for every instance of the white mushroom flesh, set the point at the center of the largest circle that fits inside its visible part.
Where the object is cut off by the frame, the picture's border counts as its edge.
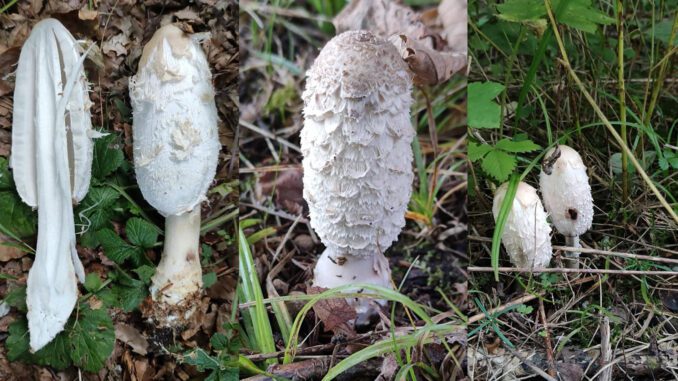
(51, 160)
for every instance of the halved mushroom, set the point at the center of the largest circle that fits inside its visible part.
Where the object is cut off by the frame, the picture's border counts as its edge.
(51, 160)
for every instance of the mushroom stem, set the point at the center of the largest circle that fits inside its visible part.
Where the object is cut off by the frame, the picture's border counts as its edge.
(335, 269)
(572, 257)
(179, 275)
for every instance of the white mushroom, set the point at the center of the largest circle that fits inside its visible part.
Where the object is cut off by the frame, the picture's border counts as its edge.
(51, 159)
(356, 143)
(526, 235)
(176, 149)
(567, 195)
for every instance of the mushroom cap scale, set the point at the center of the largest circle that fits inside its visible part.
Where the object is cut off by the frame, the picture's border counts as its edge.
(176, 145)
(567, 194)
(356, 143)
(527, 235)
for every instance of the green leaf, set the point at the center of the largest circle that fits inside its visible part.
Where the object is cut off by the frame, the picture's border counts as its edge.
(524, 309)
(96, 209)
(219, 341)
(6, 182)
(209, 279)
(16, 216)
(116, 248)
(92, 337)
(499, 164)
(483, 111)
(509, 145)
(578, 14)
(17, 342)
(127, 291)
(145, 273)
(107, 157)
(478, 151)
(141, 232)
(16, 297)
(92, 282)
(201, 360)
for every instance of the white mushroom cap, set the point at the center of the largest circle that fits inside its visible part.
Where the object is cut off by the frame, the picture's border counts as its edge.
(567, 193)
(176, 145)
(527, 235)
(356, 143)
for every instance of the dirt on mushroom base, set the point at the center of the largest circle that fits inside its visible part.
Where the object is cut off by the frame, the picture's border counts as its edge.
(119, 32)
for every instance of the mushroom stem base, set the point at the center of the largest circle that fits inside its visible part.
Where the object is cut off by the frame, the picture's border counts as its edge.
(178, 277)
(571, 260)
(335, 269)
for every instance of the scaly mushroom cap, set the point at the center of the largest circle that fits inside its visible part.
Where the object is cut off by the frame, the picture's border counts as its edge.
(567, 193)
(176, 145)
(527, 235)
(356, 144)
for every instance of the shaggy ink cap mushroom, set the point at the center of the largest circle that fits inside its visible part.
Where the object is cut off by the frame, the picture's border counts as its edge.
(356, 143)
(527, 235)
(176, 149)
(567, 197)
(51, 161)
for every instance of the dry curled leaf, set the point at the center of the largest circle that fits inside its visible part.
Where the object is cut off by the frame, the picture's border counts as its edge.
(428, 66)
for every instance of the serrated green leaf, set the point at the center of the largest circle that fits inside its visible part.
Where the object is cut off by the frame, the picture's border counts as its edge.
(96, 209)
(478, 151)
(116, 248)
(16, 216)
(141, 232)
(209, 279)
(483, 111)
(92, 282)
(145, 273)
(92, 337)
(499, 164)
(128, 292)
(16, 297)
(17, 342)
(107, 157)
(578, 14)
(517, 146)
(219, 342)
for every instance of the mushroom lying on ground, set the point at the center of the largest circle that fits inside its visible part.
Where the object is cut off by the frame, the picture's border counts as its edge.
(567, 196)
(526, 235)
(176, 149)
(51, 160)
(356, 143)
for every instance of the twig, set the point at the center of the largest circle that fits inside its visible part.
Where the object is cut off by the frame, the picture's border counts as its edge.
(596, 252)
(563, 270)
(269, 135)
(605, 352)
(552, 371)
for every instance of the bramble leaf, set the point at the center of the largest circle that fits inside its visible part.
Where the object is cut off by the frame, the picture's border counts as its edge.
(483, 111)
(499, 164)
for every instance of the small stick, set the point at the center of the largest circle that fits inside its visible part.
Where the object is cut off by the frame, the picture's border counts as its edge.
(563, 270)
(552, 371)
(605, 352)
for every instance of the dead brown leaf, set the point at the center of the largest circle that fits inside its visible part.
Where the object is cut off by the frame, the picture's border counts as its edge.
(428, 66)
(286, 187)
(132, 337)
(336, 314)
